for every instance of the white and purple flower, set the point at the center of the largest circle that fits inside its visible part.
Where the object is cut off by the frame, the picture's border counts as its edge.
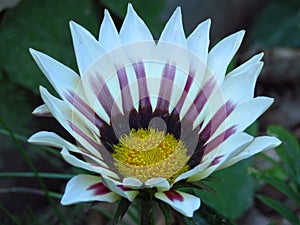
(148, 115)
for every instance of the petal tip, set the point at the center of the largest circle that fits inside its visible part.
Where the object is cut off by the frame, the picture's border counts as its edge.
(130, 8)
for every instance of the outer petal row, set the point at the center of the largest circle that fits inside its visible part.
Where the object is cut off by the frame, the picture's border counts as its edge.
(86, 188)
(180, 201)
(87, 48)
(221, 55)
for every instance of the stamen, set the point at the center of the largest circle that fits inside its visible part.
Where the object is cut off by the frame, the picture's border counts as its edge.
(149, 153)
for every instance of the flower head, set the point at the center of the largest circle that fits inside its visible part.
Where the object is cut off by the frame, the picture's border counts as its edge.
(148, 115)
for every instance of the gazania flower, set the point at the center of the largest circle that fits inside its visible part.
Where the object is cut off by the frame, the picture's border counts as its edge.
(147, 116)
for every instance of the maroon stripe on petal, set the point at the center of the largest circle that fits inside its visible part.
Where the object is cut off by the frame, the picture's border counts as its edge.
(85, 109)
(99, 189)
(216, 160)
(103, 94)
(108, 136)
(197, 154)
(214, 143)
(83, 135)
(174, 196)
(142, 84)
(166, 87)
(187, 87)
(201, 99)
(217, 119)
(125, 90)
(144, 114)
(123, 188)
(174, 124)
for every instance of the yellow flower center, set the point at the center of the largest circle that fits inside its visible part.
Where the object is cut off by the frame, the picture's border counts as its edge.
(148, 153)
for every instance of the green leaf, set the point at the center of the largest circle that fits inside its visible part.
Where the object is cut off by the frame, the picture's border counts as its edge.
(253, 129)
(121, 210)
(288, 151)
(207, 215)
(235, 193)
(276, 170)
(15, 108)
(280, 208)
(280, 185)
(149, 10)
(133, 213)
(42, 25)
(200, 185)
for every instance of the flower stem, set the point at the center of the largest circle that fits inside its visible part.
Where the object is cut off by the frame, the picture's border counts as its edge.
(146, 210)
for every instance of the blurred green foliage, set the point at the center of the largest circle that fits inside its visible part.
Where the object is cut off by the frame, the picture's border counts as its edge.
(42, 25)
(234, 190)
(284, 175)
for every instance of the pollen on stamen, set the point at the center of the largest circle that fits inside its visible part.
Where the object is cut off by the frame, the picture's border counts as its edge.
(149, 153)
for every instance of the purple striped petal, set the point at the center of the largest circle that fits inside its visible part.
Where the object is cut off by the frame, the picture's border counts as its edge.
(201, 99)
(217, 119)
(120, 189)
(86, 188)
(142, 84)
(126, 94)
(214, 143)
(103, 94)
(185, 92)
(84, 108)
(166, 87)
(184, 203)
(84, 136)
(42, 111)
(99, 189)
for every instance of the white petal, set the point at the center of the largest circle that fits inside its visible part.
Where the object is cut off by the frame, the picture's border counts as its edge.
(233, 144)
(198, 40)
(240, 88)
(108, 34)
(235, 89)
(161, 184)
(132, 182)
(221, 54)
(120, 189)
(99, 167)
(173, 31)
(52, 139)
(87, 48)
(42, 110)
(65, 115)
(61, 77)
(245, 66)
(86, 188)
(134, 29)
(258, 145)
(193, 172)
(246, 113)
(184, 203)
(75, 161)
